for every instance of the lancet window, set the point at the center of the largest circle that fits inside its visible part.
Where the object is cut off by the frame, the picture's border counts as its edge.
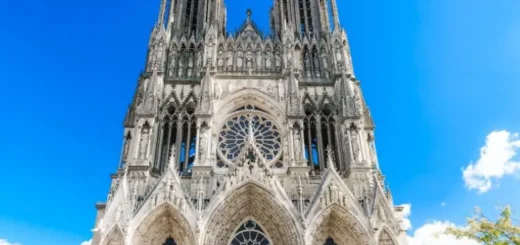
(250, 233)
(177, 137)
(305, 10)
(191, 16)
(319, 134)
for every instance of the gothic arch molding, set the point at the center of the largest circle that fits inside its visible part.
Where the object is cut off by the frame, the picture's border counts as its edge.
(251, 200)
(114, 237)
(339, 224)
(161, 223)
(250, 97)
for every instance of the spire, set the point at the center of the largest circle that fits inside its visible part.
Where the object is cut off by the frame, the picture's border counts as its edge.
(162, 11)
(171, 15)
(335, 14)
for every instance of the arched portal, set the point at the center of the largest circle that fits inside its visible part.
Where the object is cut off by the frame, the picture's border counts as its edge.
(250, 201)
(164, 224)
(335, 225)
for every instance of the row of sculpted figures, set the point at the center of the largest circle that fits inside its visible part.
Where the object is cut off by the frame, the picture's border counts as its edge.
(187, 61)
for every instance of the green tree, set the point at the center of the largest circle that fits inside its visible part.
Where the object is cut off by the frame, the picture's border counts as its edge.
(482, 230)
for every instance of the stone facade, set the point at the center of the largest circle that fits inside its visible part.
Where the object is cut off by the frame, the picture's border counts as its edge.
(248, 138)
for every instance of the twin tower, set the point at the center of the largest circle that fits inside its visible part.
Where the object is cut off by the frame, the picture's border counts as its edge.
(248, 138)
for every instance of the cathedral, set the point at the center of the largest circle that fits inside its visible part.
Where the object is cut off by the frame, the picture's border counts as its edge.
(248, 138)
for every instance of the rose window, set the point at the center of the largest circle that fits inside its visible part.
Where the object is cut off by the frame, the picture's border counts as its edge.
(249, 133)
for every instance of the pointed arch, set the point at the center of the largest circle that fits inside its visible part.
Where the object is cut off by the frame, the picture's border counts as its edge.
(163, 223)
(114, 237)
(251, 201)
(336, 223)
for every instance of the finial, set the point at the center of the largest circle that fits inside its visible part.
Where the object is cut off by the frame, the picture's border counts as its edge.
(249, 12)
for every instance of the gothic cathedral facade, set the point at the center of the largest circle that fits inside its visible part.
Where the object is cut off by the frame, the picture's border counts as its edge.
(246, 138)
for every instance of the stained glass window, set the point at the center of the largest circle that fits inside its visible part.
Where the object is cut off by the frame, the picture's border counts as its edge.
(249, 129)
(250, 233)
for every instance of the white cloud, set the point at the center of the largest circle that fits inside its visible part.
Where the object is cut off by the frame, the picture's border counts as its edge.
(5, 242)
(83, 243)
(406, 224)
(495, 161)
(432, 234)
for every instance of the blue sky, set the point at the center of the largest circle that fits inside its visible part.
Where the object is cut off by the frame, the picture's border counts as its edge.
(438, 75)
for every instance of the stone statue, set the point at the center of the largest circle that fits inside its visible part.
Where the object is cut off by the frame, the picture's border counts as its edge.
(190, 65)
(240, 56)
(126, 147)
(258, 60)
(290, 59)
(210, 51)
(249, 59)
(324, 61)
(220, 61)
(297, 145)
(203, 142)
(200, 57)
(268, 60)
(307, 62)
(316, 64)
(229, 59)
(339, 58)
(143, 144)
(278, 59)
(356, 152)
(181, 68)
(173, 63)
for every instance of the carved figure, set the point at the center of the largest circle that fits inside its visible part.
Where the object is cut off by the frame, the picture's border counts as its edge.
(297, 145)
(190, 65)
(143, 144)
(173, 63)
(268, 60)
(240, 57)
(258, 60)
(181, 68)
(229, 60)
(220, 61)
(203, 142)
(278, 59)
(356, 152)
(126, 147)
